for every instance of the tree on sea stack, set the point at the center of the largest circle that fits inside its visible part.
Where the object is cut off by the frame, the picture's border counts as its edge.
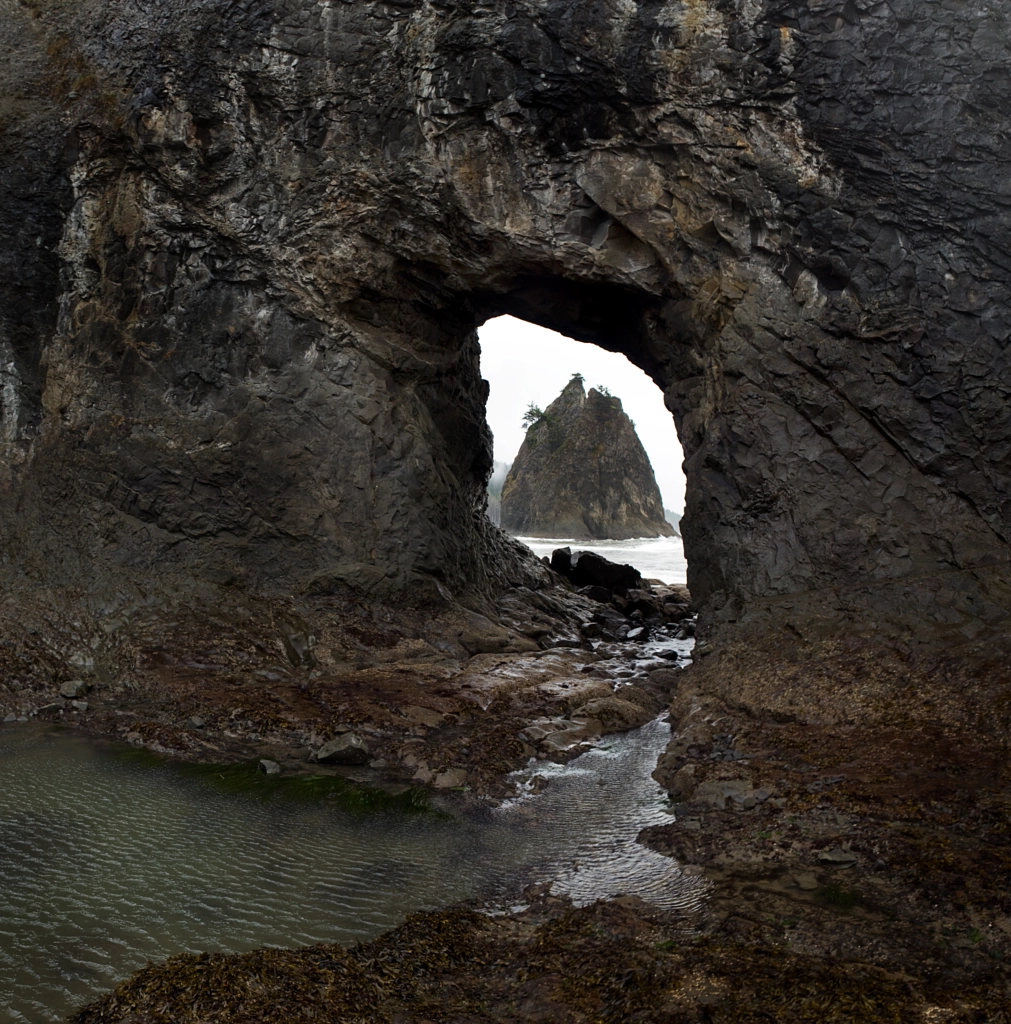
(582, 473)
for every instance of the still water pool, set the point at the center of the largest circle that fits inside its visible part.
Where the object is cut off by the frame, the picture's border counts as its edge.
(107, 862)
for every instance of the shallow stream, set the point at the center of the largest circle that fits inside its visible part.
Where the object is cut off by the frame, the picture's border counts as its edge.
(108, 862)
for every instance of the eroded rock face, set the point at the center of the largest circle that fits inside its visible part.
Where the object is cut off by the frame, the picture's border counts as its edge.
(583, 473)
(247, 247)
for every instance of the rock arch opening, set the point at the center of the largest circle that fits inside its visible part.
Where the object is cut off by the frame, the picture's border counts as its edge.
(526, 365)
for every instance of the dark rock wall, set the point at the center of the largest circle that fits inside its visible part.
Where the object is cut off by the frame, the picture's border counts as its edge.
(582, 473)
(281, 223)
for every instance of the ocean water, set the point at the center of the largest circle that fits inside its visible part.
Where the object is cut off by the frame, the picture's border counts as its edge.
(660, 558)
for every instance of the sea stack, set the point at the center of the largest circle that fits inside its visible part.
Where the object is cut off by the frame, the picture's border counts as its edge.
(582, 473)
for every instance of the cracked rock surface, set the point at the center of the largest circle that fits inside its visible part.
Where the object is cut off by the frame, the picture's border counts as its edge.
(247, 245)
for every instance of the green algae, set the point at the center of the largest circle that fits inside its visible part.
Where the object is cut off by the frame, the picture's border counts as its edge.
(246, 779)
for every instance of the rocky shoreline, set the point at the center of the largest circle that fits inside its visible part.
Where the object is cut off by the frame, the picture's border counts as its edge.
(455, 708)
(857, 844)
(858, 875)
(855, 831)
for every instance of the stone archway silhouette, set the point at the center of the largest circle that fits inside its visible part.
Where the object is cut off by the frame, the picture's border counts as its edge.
(273, 259)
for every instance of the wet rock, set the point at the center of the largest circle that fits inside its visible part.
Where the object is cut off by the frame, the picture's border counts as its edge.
(269, 767)
(641, 698)
(345, 749)
(591, 629)
(664, 680)
(613, 713)
(452, 778)
(596, 593)
(73, 689)
(639, 633)
(684, 783)
(764, 261)
(588, 569)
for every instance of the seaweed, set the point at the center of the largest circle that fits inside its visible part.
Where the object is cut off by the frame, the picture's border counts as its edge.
(247, 780)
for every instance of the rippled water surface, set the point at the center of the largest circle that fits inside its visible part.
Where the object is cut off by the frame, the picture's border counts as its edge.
(108, 863)
(659, 558)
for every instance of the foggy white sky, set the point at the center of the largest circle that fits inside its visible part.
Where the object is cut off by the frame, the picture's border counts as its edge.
(525, 364)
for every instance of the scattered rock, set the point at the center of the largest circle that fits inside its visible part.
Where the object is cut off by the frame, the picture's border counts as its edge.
(269, 767)
(345, 749)
(640, 633)
(73, 689)
(537, 784)
(196, 722)
(79, 705)
(560, 734)
(10, 718)
(450, 779)
(427, 717)
(595, 593)
(839, 857)
(807, 882)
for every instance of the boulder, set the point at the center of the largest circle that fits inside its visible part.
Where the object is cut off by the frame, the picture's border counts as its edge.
(345, 749)
(614, 713)
(587, 569)
(641, 698)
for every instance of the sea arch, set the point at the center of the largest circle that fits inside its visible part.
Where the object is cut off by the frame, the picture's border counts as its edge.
(263, 373)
